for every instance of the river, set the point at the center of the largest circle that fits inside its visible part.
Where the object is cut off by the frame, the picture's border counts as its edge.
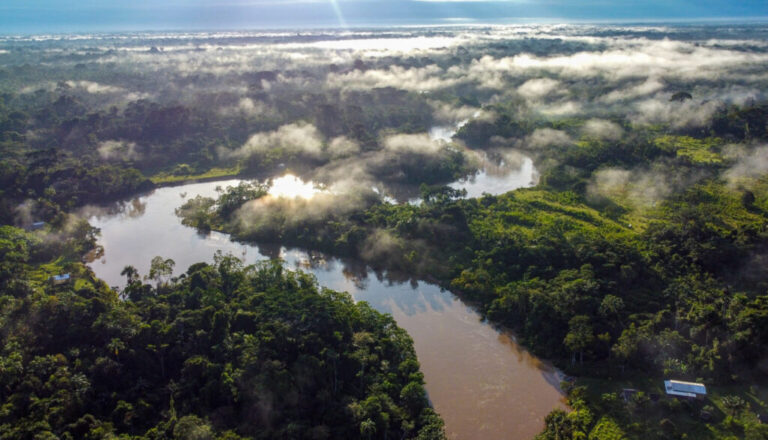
(479, 379)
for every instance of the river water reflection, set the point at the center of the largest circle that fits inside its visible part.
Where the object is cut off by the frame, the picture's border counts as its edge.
(481, 382)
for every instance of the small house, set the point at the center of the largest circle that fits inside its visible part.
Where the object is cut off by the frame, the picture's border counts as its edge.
(57, 280)
(691, 390)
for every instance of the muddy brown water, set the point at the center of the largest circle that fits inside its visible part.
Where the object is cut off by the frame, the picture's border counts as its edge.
(483, 384)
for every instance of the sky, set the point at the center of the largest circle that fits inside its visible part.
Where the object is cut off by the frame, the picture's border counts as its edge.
(44, 16)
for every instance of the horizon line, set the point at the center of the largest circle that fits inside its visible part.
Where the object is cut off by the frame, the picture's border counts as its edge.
(450, 22)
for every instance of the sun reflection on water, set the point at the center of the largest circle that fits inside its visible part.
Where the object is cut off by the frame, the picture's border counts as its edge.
(290, 186)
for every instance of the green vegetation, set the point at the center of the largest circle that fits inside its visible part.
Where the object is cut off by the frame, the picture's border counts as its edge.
(223, 351)
(179, 175)
(59, 180)
(607, 286)
(640, 254)
(695, 150)
(729, 412)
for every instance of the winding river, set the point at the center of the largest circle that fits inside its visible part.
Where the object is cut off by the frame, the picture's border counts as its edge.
(479, 379)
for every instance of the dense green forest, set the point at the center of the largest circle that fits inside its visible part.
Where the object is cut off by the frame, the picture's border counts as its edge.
(608, 286)
(222, 351)
(638, 254)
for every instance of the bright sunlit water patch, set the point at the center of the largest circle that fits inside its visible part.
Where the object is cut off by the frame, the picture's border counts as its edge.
(499, 178)
(290, 186)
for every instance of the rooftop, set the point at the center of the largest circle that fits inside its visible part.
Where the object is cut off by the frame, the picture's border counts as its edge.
(684, 389)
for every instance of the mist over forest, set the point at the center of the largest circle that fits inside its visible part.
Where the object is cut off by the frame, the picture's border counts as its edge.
(364, 102)
(631, 250)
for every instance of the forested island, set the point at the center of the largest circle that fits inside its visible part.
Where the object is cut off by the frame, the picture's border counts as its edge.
(637, 253)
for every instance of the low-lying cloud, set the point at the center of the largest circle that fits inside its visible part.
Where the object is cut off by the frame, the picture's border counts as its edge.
(298, 138)
(661, 110)
(602, 129)
(411, 143)
(749, 163)
(546, 137)
(538, 88)
(118, 151)
(643, 187)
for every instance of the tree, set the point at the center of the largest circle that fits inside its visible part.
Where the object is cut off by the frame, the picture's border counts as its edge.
(413, 396)
(234, 196)
(230, 270)
(612, 306)
(734, 404)
(192, 427)
(160, 270)
(133, 287)
(367, 428)
(131, 275)
(579, 337)
(115, 345)
(362, 342)
(557, 426)
(626, 346)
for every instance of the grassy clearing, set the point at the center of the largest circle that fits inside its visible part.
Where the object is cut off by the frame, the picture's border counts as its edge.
(82, 277)
(43, 272)
(530, 209)
(702, 151)
(214, 173)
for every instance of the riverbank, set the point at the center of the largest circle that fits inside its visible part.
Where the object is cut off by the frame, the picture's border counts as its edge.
(478, 379)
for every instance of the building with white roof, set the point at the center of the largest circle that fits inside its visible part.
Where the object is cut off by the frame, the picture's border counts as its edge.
(679, 388)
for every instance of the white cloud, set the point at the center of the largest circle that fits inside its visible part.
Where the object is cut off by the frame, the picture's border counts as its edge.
(561, 108)
(118, 150)
(678, 114)
(298, 138)
(427, 78)
(94, 87)
(602, 129)
(636, 188)
(545, 137)
(647, 87)
(749, 163)
(538, 87)
(411, 143)
(342, 147)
